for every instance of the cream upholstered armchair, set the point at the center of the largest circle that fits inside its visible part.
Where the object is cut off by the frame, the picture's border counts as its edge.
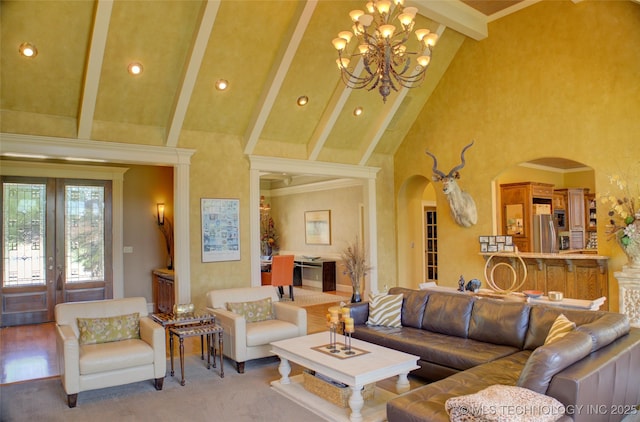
(103, 343)
(252, 318)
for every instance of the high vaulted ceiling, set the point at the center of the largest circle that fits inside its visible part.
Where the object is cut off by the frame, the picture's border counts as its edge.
(271, 52)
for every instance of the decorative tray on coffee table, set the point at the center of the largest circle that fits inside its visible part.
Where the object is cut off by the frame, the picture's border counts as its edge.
(340, 351)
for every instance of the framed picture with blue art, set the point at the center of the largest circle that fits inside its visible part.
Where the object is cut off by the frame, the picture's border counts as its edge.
(220, 229)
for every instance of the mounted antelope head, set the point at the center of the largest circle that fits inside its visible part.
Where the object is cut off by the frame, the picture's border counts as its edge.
(463, 207)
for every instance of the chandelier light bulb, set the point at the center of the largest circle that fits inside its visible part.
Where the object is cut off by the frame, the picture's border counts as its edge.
(363, 48)
(387, 30)
(355, 15)
(405, 19)
(399, 2)
(421, 33)
(339, 43)
(370, 7)
(302, 100)
(383, 6)
(424, 60)
(432, 39)
(346, 35)
(343, 63)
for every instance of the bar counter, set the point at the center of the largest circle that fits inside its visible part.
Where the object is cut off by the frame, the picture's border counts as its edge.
(578, 275)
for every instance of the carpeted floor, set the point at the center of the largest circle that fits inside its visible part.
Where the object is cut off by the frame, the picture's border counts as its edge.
(205, 397)
(304, 297)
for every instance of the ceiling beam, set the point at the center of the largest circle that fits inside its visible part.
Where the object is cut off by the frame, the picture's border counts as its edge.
(269, 95)
(377, 131)
(94, 68)
(455, 15)
(181, 104)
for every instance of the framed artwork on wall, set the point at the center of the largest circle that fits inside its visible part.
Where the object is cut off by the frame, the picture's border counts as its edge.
(317, 227)
(220, 229)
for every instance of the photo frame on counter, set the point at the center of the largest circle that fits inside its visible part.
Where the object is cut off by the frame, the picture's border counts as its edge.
(220, 222)
(317, 227)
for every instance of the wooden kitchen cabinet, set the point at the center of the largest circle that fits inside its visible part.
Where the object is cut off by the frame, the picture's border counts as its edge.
(576, 220)
(163, 291)
(519, 202)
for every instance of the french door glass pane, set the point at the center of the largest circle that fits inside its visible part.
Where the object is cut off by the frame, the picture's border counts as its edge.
(84, 233)
(24, 210)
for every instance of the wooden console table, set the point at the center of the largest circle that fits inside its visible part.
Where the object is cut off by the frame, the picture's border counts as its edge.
(327, 269)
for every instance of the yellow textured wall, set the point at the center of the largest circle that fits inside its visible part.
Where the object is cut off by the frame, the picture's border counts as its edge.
(555, 79)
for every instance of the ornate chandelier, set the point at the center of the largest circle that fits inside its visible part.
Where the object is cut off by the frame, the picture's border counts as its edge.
(386, 61)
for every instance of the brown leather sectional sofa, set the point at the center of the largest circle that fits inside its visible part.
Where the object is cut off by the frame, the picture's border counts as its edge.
(467, 343)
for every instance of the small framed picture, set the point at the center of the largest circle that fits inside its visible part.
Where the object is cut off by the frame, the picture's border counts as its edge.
(484, 239)
(509, 248)
(492, 248)
(492, 240)
(508, 240)
(500, 246)
(500, 239)
(484, 247)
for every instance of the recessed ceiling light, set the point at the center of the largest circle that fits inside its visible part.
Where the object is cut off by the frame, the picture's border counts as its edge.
(135, 68)
(358, 111)
(27, 49)
(302, 100)
(222, 84)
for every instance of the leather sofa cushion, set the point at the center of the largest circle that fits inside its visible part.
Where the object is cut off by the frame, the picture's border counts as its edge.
(103, 357)
(441, 349)
(428, 403)
(548, 360)
(605, 329)
(413, 304)
(499, 322)
(448, 313)
(541, 318)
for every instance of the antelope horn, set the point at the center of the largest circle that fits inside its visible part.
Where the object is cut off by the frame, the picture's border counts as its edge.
(435, 165)
(459, 166)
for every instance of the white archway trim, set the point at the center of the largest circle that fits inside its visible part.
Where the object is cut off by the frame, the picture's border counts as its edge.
(367, 175)
(47, 147)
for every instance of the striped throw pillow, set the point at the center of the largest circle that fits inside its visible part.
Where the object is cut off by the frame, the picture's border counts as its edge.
(561, 326)
(384, 310)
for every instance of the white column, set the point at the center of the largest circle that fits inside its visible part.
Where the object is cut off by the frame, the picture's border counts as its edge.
(629, 290)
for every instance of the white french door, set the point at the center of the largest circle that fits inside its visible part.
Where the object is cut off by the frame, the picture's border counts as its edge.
(56, 245)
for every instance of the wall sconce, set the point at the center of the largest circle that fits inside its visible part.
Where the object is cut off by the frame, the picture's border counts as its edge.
(160, 207)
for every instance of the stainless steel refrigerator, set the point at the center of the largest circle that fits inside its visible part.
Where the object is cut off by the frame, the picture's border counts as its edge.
(544, 234)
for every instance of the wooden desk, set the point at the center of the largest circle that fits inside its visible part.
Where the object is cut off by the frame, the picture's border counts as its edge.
(327, 268)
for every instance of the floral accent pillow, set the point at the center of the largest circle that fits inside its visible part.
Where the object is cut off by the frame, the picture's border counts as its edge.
(105, 330)
(258, 310)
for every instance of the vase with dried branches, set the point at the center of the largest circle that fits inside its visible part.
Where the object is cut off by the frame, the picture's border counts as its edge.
(354, 261)
(166, 228)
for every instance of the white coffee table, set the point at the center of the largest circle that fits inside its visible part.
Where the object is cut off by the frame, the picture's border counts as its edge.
(377, 364)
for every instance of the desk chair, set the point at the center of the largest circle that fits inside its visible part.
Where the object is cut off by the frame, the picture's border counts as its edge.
(282, 273)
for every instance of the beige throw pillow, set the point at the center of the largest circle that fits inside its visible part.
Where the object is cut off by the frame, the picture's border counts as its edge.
(385, 310)
(561, 326)
(255, 311)
(105, 330)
